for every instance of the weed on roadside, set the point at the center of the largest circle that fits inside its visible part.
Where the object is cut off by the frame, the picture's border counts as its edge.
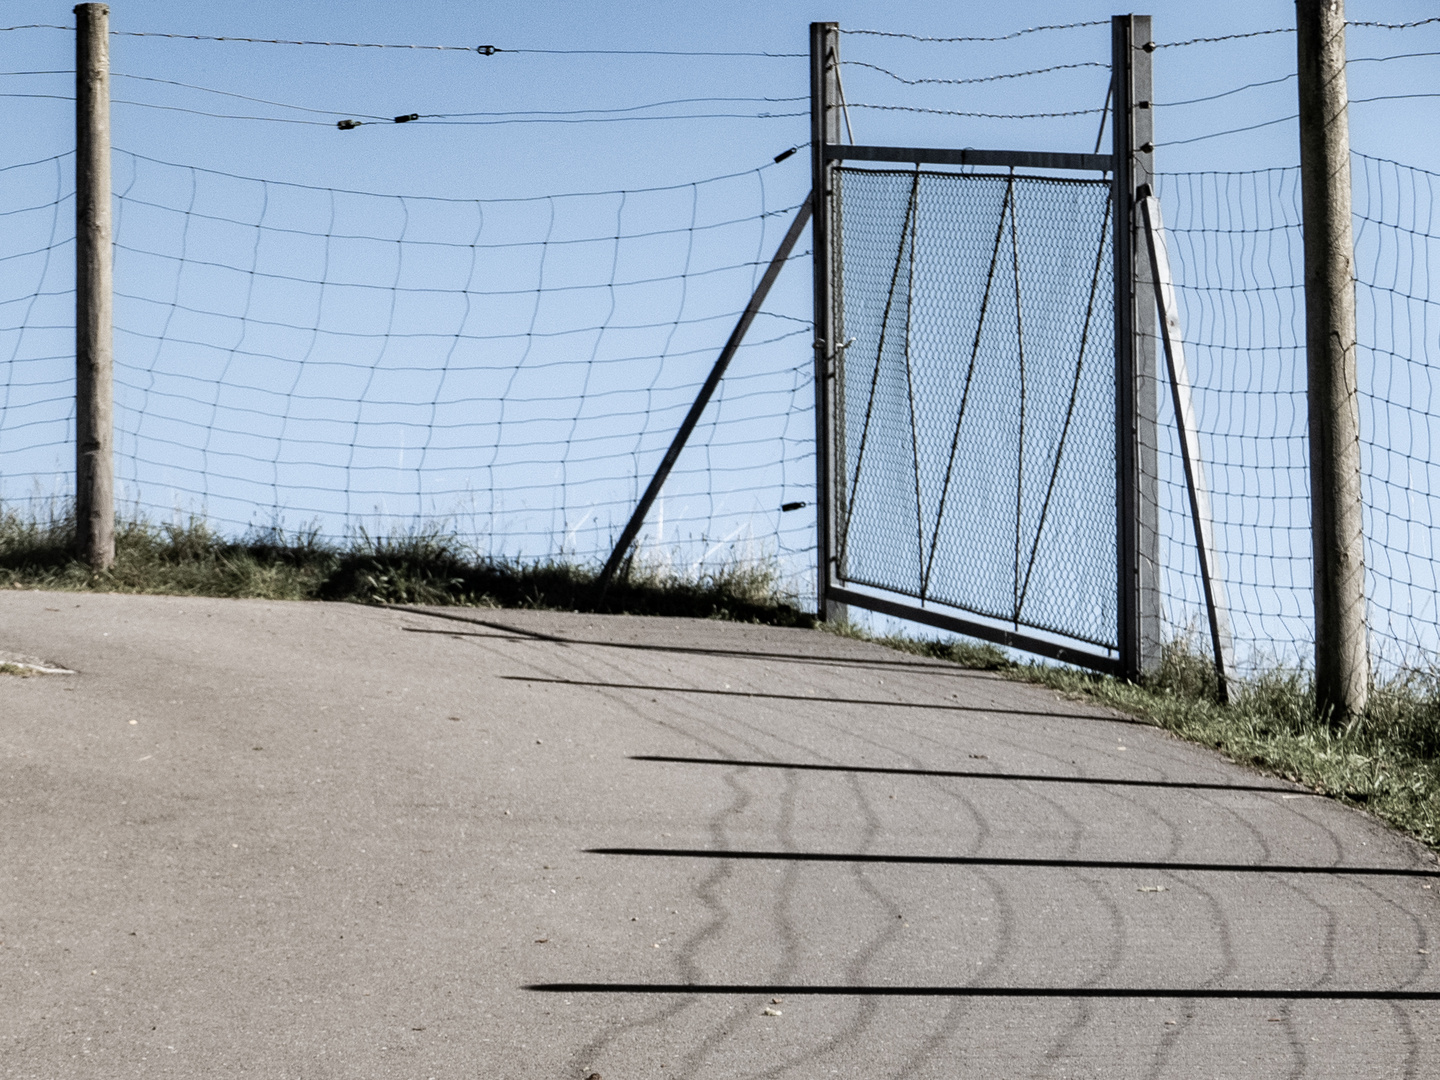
(425, 565)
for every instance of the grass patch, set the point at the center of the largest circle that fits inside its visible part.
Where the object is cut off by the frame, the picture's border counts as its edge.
(423, 566)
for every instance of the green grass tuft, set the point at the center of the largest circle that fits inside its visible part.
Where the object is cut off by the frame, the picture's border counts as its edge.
(422, 566)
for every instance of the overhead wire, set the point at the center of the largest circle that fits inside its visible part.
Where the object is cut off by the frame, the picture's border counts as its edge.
(1229, 131)
(622, 109)
(509, 116)
(765, 166)
(242, 97)
(1288, 77)
(1390, 97)
(978, 115)
(1225, 93)
(219, 116)
(445, 122)
(1393, 26)
(438, 121)
(977, 79)
(1224, 37)
(483, 50)
(967, 40)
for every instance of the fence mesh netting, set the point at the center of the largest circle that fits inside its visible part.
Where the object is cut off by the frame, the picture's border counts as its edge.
(510, 370)
(975, 395)
(1239, 260)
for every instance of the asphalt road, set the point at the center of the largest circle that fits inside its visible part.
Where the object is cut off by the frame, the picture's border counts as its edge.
(305, 840)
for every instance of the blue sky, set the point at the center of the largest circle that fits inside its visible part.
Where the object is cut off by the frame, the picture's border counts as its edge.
(516, 159)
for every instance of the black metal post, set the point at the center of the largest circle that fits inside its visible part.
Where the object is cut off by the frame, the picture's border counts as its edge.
(824, 131)
(1138, 539)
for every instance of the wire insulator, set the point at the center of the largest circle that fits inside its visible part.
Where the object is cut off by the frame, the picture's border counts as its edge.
(346, 125)
(407, 118)
(785, 154)
(486, 50)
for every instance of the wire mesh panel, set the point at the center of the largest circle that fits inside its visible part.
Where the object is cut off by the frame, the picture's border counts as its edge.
(509, 370)
(37, 335)
(1238, 252)
(975, 399)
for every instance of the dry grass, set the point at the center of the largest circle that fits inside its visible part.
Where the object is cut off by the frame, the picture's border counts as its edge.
(421, 566)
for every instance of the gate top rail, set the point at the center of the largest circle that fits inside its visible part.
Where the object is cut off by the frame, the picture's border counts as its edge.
(1028, 159)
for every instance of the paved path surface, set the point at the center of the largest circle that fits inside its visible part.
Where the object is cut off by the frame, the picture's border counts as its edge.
(286, 840)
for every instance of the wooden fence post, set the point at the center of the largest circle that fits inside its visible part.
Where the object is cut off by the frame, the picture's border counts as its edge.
(1342, 654)
(94, 296)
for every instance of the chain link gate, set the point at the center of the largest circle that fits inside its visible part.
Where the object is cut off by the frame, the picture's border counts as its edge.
(974, 396)
(986, 381)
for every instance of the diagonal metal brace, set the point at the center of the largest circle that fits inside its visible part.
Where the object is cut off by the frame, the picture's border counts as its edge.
(1215, 599)
(637, 519)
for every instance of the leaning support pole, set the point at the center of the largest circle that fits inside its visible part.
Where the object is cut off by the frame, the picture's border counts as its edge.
(1216, 605)
(94, 345)
(1342, 655)
(637, 519)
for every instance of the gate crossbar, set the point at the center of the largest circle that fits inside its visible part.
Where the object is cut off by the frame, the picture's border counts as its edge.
(958, 624)
(1020, 159)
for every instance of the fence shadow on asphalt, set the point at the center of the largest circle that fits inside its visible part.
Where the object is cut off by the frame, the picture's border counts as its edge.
(985, 710)
(1021, 863)
(972, 774)
(1124, 992)
(508, 633)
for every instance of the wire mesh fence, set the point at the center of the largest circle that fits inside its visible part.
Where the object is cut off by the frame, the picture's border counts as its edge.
(37, 329)
(314, 358)
(975, 395)
(1239, 255)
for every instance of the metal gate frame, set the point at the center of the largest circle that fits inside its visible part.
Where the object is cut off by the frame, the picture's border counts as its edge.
(1131, 166)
